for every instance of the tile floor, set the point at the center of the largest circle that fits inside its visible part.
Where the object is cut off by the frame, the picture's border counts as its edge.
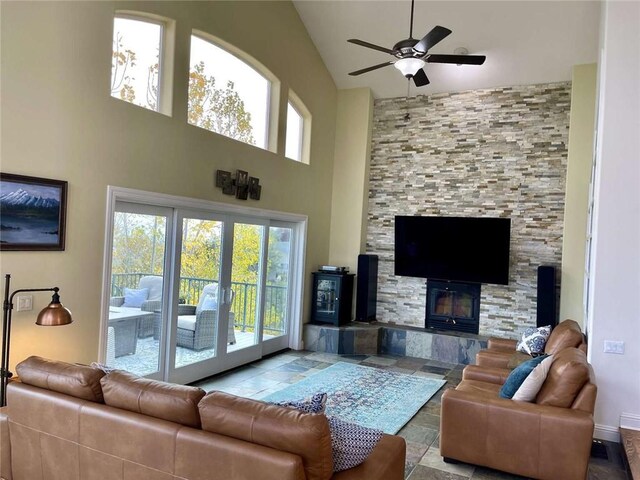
(423, 462)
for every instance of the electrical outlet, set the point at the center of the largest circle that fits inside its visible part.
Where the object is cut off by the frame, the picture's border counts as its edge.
(611, 346)
(25, 302)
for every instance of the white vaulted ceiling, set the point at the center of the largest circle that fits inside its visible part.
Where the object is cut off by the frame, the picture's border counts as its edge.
(525, 42)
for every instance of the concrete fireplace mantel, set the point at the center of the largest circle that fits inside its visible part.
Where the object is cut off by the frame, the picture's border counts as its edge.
(384, 338)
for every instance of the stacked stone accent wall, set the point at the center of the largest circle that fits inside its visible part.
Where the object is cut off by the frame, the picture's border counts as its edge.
(497, 153)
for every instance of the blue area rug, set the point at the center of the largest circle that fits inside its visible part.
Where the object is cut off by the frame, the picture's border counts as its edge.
(367, 396)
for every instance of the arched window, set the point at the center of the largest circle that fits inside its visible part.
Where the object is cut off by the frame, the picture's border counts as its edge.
(227, 95)
(141, 45)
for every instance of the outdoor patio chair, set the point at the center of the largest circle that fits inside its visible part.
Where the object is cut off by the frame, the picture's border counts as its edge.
(197, 323)
(152, 303)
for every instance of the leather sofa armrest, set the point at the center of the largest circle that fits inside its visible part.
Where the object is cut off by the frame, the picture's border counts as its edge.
(386, 462)
(525, 438)
(5, 446)
(496, 343)
(485, 374)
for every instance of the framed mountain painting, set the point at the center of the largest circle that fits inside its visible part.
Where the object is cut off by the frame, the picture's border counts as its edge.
(32, 213)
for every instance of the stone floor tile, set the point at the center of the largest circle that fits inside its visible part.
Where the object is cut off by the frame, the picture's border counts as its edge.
(420, 472)
(378, 360)
(433, 459)
(291, 367)
(418, 434)
(424, 419)
(434, 369)
(429, 375)
(415, 452)
(305, 362)
(605, 472)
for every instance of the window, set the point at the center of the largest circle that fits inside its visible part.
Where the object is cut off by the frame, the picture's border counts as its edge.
(227, 95)
(135, 61)
(294, 133)
(298, 128)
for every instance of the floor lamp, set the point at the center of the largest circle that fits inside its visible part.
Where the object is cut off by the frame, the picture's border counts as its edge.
(52, 315)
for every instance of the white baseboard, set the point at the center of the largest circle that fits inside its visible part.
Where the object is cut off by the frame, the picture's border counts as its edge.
(630, 421)
(606, 432)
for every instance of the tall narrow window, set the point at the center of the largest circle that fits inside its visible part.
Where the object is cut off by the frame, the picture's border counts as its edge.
(295, 124)
(135, 61)
(227, 95)
(297, 146)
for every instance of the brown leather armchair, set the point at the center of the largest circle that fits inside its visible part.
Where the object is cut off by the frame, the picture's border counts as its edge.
(501, 352)
(548, 439)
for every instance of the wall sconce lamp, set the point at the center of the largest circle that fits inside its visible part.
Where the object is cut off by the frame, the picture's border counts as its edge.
(52, 315)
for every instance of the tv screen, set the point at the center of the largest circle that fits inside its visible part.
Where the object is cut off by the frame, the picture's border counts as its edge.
(461, 249)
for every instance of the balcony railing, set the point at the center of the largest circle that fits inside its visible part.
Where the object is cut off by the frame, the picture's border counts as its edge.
(244, 304)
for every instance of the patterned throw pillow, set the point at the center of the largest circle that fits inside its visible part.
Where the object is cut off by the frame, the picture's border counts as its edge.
(351, 443)
(314, 404)
(534, 340)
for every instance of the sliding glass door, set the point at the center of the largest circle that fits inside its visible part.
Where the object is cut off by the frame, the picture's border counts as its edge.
(196, 292)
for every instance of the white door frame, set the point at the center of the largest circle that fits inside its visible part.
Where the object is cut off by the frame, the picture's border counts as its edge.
(299, 222)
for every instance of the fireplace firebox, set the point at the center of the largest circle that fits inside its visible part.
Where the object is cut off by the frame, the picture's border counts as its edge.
(453, 306)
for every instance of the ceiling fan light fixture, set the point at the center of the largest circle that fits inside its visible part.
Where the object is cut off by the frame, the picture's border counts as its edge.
(409, 66)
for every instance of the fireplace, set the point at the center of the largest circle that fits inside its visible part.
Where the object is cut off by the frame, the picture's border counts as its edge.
(453, 306)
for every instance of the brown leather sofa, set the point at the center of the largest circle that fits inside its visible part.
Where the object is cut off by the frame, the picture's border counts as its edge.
(501, 352)
(548, 439)
(72, 422)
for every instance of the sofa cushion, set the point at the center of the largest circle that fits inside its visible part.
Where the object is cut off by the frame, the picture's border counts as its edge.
(351, 443)
(168, 401)
(286, 429)
(531, 386)
(518, 376)
(534, 340)
(79, 381)
(134, 298)
(566, 334)
(567, 375)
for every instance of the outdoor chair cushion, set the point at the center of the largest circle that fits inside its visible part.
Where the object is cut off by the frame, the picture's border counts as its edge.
(210, 291)
(154, 284)
(135, 297)
(187, 322)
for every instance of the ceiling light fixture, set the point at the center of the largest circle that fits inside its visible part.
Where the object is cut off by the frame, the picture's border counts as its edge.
(409, 66)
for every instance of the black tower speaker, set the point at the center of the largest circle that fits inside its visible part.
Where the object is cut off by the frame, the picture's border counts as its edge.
(546, 311)
(367, 291)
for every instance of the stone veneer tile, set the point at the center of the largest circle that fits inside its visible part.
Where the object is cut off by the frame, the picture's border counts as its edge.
(393, 341)
(445, 348)
(418, 344)
(498, 152)
(468, 347)
(345, 342)
(366, 341)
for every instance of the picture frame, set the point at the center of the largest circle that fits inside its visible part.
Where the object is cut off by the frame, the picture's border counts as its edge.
(32, 213)
(254, 188)
(224, 181)
(242, 178)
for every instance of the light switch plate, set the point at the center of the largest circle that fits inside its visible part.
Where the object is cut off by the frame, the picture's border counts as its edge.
(612, 346)
(25, 302)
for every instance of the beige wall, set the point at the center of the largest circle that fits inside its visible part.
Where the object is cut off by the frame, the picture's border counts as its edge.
(59, 121)
(580, 161)
(351, 176)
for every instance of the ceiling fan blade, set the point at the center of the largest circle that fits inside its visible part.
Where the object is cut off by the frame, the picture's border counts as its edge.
(436, 35)
(362, 43)
(457, 59)
(420, 78)
(368, 69)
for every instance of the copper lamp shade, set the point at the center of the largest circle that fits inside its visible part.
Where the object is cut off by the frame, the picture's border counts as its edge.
(54, 314)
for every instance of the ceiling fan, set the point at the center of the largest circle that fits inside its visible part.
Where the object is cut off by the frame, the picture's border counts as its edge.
(412, 55)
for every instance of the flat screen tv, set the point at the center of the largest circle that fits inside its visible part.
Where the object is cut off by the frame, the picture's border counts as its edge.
(459, 249)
